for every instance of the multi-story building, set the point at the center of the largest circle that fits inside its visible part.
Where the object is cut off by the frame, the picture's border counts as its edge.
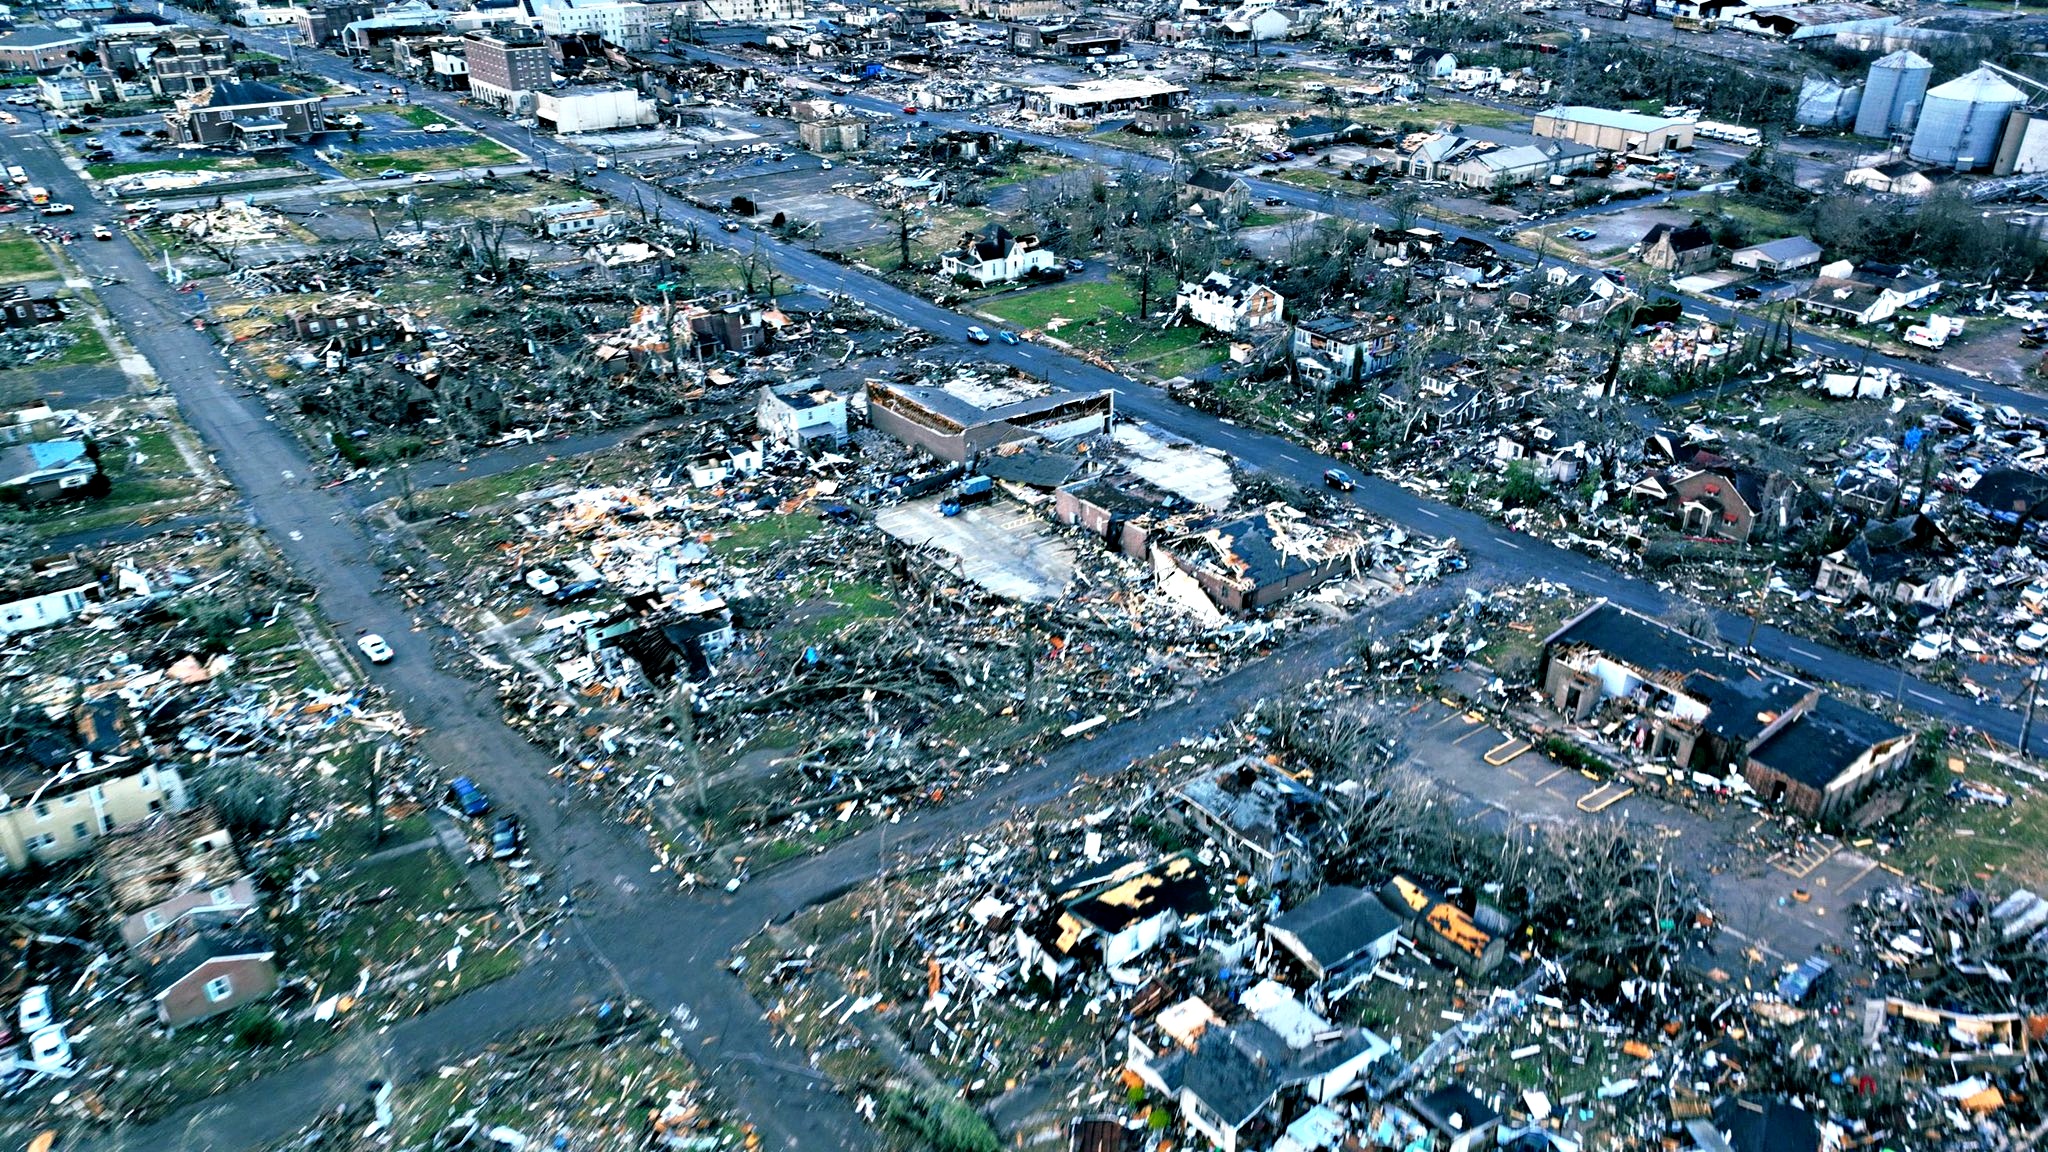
(504, 65)
(739, 11)
(174, 64)
(51, 812)
(620, 22)
(40, 49)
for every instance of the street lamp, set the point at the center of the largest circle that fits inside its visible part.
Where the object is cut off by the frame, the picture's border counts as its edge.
(2034, 679)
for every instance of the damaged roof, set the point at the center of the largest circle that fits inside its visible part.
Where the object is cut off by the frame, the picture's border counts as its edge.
(1825, 742)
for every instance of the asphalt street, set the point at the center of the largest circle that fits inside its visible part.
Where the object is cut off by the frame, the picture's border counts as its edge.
(633, 931)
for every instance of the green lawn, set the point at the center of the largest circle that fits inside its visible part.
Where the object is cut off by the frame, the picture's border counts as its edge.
(1101, 316)
(23, 259)
(182, 164)
(1995, 849)
(420, 117)
(1038, 307)
(1460, 112)
(768, 531)
(479, 154)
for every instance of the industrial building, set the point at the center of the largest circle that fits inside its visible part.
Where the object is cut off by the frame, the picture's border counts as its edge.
(1612, 131)
(1098, 98)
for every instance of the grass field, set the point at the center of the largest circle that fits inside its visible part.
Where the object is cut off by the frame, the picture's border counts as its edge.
(1461, 112)
(23, 259)
(1101, 316)
(185, 164)
(420, 117)
(1997, 849)
(478, 154)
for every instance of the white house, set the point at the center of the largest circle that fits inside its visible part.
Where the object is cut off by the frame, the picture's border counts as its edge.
(725, 463)
(996, 257)
(1229, 305)
(798, 414)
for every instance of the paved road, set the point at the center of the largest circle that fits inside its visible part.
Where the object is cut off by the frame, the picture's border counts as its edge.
(637, 938)
(638, 935)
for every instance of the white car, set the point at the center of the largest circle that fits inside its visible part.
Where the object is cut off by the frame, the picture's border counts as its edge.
(35, 1011)
(422, 178)
(543, 581)
(824, 165)
(58, 209)
(434, 128)
(2034, 638)
(50, 1048)
(375, 648)
(147, 205)
(1928, 647)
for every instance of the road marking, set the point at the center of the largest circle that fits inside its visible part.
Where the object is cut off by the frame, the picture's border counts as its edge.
(1509, 543)
(1925, 696)
(1796, 650)
(1552, 776)
(1433, 515)
(1290, 457)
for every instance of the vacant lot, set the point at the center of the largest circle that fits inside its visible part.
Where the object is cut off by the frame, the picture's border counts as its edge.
(478, 154)
(1101, 316)
(23, 259)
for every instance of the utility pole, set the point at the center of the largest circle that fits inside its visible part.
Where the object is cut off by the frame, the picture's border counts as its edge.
(2033, 695)
(668, 308)
(682, 708)
(1756, 610)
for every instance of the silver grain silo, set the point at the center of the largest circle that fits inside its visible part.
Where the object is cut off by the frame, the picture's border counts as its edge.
(1961, 121)
(1892, 96)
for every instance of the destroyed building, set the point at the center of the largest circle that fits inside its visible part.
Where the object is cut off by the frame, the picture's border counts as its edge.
(1240, 1085)
(1273, 827)
(1474, 941)
(1258, 560)
(954, 421)
(1723, 717)
(1112, 913)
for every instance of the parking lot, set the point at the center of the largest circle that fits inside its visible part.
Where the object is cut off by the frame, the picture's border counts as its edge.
(1784, 897)
(1000, 546)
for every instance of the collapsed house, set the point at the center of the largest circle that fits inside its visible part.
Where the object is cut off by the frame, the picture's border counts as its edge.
(1724, 718)
(1240, 1085)
(1273, 827)
(1260, 559)
(185, 908)
(1113, 912)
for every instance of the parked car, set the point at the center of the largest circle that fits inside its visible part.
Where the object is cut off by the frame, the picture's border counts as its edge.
(147, 205)
(1006, 336)
(58, 209)
(1928, 646)
(392, 174)
(824, 165)
(435, 128)
(1339, 479)
(467, 797)
(910, 109)
(977, 334)
(2034, 638)
(1076, 266)
(375, 648)
(422, 178)
(542, 581)
(1274, 202)
(102, 232)
(574, 591)
(508, 838)
(36, 1012)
